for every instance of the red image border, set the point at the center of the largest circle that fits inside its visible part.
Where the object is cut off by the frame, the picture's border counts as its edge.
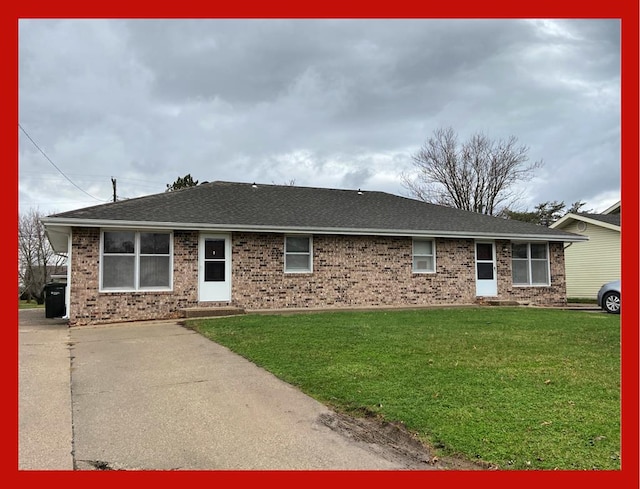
(625, 10)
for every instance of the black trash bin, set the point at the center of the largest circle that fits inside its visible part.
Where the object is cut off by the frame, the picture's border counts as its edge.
(55, 300)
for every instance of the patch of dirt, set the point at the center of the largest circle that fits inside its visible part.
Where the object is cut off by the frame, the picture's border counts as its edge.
(395, 443)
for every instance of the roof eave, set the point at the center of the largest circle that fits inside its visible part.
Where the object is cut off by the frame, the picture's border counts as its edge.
(613, 208)
(109, 224)
(577, 217)
(58, 238)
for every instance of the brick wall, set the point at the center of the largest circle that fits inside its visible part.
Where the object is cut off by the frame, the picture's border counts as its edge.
(90, 306)
(553, 295)
(348, 271)
(374, 271)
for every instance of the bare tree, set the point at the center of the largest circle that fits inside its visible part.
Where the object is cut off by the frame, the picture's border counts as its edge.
(36, 259)
(477, 175)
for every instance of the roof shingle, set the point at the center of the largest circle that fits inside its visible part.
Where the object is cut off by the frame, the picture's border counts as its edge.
(238, 205)
(608, 218)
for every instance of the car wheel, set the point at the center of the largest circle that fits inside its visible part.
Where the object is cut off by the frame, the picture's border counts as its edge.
(611, 303)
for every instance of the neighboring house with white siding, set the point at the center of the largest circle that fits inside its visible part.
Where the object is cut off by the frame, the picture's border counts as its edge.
(591, 263)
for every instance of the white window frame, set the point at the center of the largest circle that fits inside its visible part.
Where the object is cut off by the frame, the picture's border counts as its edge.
(529, 260)
(137, 254)
(299, 253)
(414, 254)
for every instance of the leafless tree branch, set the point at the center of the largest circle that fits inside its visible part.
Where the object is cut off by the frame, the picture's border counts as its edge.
(37, 260)
(476, 175)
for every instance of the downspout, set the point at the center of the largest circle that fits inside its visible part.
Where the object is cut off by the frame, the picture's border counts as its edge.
(67, 295)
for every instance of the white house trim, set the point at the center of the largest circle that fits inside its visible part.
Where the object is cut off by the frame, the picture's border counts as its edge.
(62, 226)
(578, 217)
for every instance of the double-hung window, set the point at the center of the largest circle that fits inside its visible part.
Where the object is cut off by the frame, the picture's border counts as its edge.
(424, 256)
(530, 263)
(134, 260)
(298, 255)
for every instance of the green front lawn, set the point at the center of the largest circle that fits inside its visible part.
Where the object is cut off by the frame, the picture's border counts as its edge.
(521, 388)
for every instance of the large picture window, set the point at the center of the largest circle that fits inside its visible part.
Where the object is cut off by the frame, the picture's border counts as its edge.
(424, 256)
(530, 263)
(298, 256)
(136, 260)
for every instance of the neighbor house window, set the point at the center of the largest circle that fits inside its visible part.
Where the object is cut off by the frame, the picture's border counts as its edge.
(298, 257)
(530, 263)
(136, 260)
(424, 256)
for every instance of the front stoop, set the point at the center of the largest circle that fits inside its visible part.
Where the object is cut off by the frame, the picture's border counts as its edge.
(203, 312)
(499, 302)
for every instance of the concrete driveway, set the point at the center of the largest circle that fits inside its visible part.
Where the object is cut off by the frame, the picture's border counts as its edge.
(158, 396)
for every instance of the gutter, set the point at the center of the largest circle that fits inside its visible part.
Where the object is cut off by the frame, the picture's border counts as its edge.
(141, 225)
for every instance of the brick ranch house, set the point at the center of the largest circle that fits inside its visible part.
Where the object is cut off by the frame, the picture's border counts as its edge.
(255, 247)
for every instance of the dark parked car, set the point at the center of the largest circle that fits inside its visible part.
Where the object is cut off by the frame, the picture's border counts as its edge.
(609, 297)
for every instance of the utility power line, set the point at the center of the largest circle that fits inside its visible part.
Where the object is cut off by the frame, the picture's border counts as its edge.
(54, 165)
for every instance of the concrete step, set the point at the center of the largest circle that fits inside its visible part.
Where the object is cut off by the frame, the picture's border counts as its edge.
(202, 312)
(499, 302)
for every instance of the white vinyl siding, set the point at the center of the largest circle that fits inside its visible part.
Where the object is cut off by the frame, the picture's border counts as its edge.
(591, 263)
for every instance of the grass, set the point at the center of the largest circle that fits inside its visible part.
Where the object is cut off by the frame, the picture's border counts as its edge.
(581, 300)
(516, 387)
(29, 305)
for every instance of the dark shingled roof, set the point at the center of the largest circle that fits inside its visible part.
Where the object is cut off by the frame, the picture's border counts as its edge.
(608, 218)
(238, 205)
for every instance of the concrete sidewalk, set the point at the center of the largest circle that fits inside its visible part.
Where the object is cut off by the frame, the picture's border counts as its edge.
(44, 397)
(157, 396)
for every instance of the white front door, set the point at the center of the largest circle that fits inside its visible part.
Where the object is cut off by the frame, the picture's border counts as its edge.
(214, 267)
(486, 281)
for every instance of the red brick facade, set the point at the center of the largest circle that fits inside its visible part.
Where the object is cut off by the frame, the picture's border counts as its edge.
(348, 271)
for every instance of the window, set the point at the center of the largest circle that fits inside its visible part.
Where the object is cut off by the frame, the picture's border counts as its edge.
(485, 262)
(297, 254)
(424, 256)
(214, 260)
(136, 260)
(530, 263)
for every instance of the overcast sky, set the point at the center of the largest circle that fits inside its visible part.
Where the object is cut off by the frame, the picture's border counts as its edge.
(325, 103)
